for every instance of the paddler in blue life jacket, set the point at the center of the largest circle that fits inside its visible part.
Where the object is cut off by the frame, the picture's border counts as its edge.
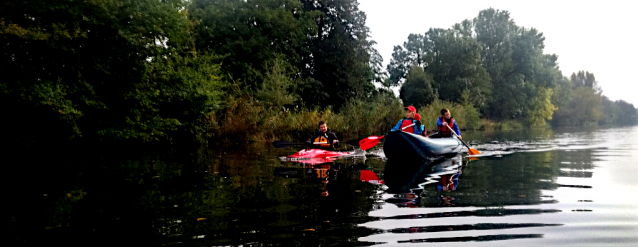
(324, 138)
(443, 122)
(408, 120)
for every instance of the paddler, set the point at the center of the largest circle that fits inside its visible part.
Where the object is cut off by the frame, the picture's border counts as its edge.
(324, 138)
(408, 123)
(443, 122)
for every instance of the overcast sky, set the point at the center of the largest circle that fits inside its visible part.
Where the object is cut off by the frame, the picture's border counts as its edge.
(596, 36)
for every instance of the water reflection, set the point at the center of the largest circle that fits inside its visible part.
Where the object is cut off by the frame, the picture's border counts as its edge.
(437, 196)
(246, 195)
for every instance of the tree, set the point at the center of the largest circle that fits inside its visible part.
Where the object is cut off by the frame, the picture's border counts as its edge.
(585, 79)
(454, 62)
(541, 108)
(451, 58)
(251, 33)
(513, 57)
(627, 113)
(618, 112)
(417, 89)
(343, 62)
(586, 107)
(562, 93)
(277, 89)
(115, 70)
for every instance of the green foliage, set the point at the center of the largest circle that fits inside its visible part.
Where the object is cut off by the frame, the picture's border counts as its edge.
(466, 116)
(541, 108)
(488, 125)
(343, 62)
(585, 79)
(147, 70)
(357, 118)
(500, 68)
(451, 58)
(325, 43)
(278, 88)
(513, 56)
(618, 113)
(251, 33)
(105, 69)
(586, 107)
(502, 64)
(417, 89)
(580, 103)
(376, 115)
(626, 113)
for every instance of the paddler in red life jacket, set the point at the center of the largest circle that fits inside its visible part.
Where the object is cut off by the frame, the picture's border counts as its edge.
(324, 136)
(408, 120)
(443, 122)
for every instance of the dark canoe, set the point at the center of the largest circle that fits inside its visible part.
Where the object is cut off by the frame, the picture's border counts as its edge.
(402, 145)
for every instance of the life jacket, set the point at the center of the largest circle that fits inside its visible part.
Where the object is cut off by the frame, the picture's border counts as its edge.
(322, 138)
(448, 181)
(445, 131)
(406, 122)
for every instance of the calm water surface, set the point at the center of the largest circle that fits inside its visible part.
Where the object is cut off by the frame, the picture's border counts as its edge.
(528, 188)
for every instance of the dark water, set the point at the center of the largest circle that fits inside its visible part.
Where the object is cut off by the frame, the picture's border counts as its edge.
(528, 188)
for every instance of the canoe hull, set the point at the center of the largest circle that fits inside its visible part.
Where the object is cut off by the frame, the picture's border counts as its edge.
(402, 145)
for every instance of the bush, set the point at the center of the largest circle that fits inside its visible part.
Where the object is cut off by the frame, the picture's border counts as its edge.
(466, 116)
(375, 115)
(503, 125)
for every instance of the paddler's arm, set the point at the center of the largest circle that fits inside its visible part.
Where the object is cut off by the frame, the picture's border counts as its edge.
(398, 126)
(419, 130)
(438, 122)
(333, 139)
(457, 130)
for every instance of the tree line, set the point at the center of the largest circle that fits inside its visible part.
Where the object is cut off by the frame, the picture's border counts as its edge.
(501, 69)
(157, 70)
(148, 70)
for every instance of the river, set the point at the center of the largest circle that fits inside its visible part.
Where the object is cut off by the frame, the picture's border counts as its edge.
(541, 187)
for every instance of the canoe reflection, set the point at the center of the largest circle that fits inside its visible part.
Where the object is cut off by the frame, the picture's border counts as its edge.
(408, 180)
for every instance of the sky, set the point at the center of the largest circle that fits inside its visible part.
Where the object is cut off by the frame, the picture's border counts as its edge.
(596, 36)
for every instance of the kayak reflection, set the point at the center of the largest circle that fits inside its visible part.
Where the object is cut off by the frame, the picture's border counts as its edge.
(331, 175)
(423, 183)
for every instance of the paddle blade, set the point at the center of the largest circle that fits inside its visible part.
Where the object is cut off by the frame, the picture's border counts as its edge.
(369, 142)
(473, 151)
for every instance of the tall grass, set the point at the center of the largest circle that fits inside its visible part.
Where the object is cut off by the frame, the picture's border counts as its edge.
(374, 116)
(503, 125)
(466, 116)
(245, 118)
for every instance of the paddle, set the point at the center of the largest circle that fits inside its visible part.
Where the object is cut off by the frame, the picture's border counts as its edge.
(284, 144)
(470, 150)
(371, 141)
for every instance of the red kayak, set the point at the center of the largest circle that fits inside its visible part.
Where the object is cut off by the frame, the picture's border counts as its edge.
(311, 161)
(317, 153)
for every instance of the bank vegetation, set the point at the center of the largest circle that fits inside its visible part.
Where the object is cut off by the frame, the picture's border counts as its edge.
(213, 70)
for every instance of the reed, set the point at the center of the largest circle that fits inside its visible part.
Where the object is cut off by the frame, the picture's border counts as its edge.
(245, 118)
(466, 116)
